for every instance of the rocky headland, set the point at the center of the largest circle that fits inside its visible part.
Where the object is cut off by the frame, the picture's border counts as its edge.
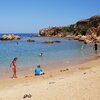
(87, 30)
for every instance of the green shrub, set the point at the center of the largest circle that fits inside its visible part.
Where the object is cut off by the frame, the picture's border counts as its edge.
(64, 29)
(94, 23)
(71, 28)
(68, 29)
(84, 30)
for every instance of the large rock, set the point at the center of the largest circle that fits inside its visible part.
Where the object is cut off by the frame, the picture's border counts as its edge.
(82, 38)
(48, 42)
(51, 41)
(70, 37)
(98, 39)
(87, 41)
(77, 37)
(10, 37)
(50, 31)
(30, 40)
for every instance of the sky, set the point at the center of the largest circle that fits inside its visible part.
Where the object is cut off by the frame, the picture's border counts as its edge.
(29, 16)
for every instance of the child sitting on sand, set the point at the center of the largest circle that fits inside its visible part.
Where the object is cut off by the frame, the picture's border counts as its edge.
(39, 71)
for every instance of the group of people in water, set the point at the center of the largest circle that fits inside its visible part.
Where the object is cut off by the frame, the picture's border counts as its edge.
(38, 71)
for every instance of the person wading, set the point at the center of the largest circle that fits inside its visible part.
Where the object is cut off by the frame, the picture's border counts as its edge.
(13, 66)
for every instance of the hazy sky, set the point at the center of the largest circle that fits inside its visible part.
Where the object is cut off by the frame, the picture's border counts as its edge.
(31, 15)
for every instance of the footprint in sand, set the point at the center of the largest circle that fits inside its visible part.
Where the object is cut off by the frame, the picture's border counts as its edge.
(84, 73)
(64, 70)
(51, 76)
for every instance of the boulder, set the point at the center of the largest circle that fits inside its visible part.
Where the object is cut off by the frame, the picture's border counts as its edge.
(30, 40)
(70, 37)
(57, 41)
(98, 39)
(86, 41)
(17, 38)
(51, 41)
(10, 37)
(48, 42)
(82, 38)
(77, 37)
(50, 31)
(89, 37)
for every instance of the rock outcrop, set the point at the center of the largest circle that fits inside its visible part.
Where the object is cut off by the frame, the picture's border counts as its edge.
(10, 37)
(51, 31)
(83, 30)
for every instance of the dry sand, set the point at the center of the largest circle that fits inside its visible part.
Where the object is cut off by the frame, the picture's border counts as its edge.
(81, 82)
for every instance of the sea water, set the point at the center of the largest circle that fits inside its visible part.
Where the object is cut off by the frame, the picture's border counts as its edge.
(28, 53)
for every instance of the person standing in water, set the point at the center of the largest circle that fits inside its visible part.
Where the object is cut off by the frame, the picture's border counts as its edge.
(83, 45)
(41, 54)
(13, 66)
(95, 47)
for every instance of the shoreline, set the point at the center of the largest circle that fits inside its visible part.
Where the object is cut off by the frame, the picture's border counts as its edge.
(7, 73)
(23, 72)
(74, 81)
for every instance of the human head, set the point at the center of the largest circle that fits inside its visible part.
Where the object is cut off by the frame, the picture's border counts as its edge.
(15, 58)
(38, 66)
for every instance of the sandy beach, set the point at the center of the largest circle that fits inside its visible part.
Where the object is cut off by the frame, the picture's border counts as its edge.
(49, 50)
(79, 82)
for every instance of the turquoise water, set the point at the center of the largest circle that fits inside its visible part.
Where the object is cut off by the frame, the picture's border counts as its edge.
(28, 52)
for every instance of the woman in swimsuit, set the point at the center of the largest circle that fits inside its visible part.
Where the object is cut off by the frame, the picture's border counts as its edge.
(13, 66)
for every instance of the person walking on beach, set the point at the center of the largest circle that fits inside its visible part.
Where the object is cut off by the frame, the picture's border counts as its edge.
(13, 66)
(39, 71)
